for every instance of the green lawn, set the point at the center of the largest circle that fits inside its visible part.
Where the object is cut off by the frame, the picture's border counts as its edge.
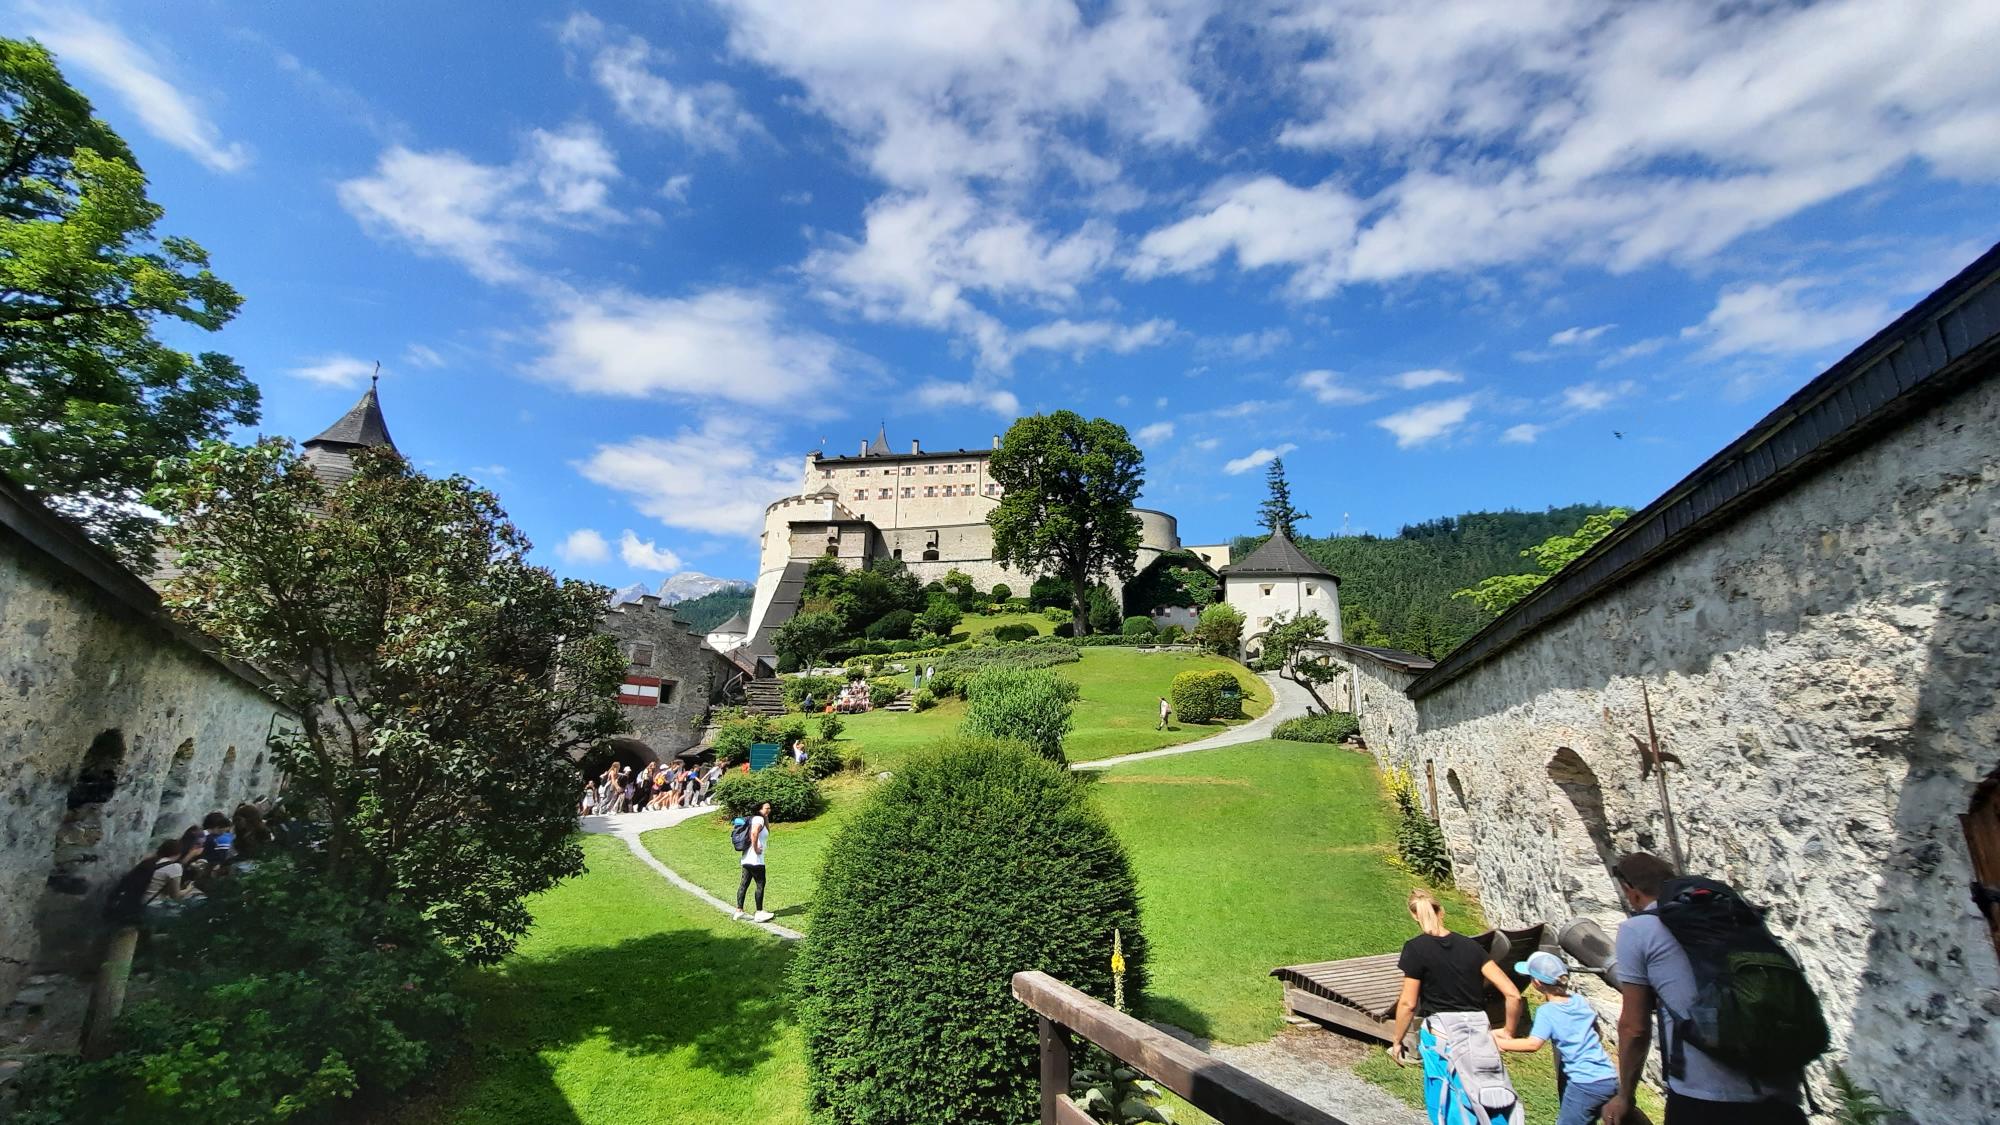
(1119, 709)
(630, 1002)
(980, 624)
(699, 849)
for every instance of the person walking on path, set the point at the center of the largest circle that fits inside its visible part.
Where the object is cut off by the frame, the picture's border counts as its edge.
(1655, 973)
(1568, 1021)
(1445, 976)
(1166, 710)
(753, 863)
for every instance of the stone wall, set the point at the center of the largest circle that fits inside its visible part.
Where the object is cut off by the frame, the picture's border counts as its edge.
(1824, 669)
(690, 672)
(113, 734)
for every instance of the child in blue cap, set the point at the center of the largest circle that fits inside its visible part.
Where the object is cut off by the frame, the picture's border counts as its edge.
(1568, 1021)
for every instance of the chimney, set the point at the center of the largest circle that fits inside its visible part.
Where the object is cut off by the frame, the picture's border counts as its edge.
(996, 441)
(650, 601)
(864, 447)
(914, 447)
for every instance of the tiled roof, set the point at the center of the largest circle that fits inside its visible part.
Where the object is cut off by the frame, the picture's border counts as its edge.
(362, 425)
(1278, 556)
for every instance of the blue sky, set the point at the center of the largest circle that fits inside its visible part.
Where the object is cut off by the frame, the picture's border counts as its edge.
(627, 263)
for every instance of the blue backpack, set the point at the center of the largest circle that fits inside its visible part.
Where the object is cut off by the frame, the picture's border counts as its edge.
(739, 836)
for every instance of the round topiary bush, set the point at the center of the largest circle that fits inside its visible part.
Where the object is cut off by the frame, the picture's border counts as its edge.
(792, 794)
(1200, 697)
(1138, 627)
(1009, 634)
(977, 860)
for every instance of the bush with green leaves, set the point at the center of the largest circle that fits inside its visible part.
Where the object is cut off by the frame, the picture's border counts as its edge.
(1334, 726)
(1172, 635)
(1029, 705)
(1420, 845)
(734, 736)
(941, 616)
(1205, 696)
(823, 760)
(1002, 593)
(977, 860)
(794, 795)
(1220, 629)
(881, 693)
(1138, 627)
(283, 998)
(830, 726)
(1014, 633)
(894, 625)
(924, 700)
(1050, 592)
(947, 683)
(1059, 614)
(822, 689)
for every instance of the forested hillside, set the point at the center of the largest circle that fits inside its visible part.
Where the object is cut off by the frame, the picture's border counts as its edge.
(709, 610)
(1398, 591)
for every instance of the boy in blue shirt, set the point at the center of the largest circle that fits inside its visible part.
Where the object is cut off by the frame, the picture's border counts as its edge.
(1568, 1021)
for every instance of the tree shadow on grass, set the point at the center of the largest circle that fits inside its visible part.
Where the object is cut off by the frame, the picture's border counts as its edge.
(722, 996)
(1167, 1009)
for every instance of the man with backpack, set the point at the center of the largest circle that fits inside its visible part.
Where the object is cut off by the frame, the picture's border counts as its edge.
(1738, 1021)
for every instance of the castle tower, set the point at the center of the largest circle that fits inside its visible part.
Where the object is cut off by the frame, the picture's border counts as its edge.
(331, 454)
(1278, 578)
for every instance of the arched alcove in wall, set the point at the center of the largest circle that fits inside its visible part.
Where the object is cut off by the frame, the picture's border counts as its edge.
(226, 776)
(1577, 813)
(625, 751)
(98, 776)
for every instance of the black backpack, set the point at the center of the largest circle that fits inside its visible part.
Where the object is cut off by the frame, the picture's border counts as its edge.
(126, 905)
(1754, 1010)
(739, 834)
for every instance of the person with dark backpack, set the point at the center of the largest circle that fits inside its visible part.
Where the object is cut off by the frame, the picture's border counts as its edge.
(1738, 1020)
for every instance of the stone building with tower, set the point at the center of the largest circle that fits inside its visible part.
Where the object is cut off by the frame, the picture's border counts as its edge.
(925, 507)
(1809, 625)
(1278, 580)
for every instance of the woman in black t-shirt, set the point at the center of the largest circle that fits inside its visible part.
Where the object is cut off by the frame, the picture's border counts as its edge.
(1445, 972)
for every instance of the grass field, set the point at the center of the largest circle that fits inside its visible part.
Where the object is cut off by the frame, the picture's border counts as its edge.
(1116, 715)
(630, 1002)
(980, 624)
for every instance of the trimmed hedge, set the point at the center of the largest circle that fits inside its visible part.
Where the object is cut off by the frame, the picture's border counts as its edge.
(1138, 627)
(1029, 705)
(1335, 726)
(924, 700)
(1019, 631)
(1201, 697)
(792, 794)
(894, 625)
(975, 861)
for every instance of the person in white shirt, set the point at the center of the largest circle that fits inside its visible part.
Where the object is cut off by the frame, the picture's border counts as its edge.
(753, 863)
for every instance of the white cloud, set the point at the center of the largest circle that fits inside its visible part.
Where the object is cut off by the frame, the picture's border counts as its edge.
(1208, 444)
(1785, 317)
(645, 554)
(336, 371)
(1077, 338)
(1329, 388)
(1426, 377)
(706, 115)
(1428, 422)
(1592, 133)
(1596, 396)
(85, 43)
(445, 203)
(1263, 222)
(716, 479)
(724, 344)
(941, 394)
(1155, 433)
(422, 355)
(584, 546)
(1579, 335)
(1248, 345)
(981, 88)
(676, 187)
(1254, 458)
(1523, 434)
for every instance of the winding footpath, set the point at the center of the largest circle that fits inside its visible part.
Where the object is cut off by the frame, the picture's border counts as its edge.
(1288, 701)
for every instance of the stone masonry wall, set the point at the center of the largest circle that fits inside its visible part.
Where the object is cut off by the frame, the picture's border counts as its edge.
(1824, 668)
(681, 660)
(175, 736)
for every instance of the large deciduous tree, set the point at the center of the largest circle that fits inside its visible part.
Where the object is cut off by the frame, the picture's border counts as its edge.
(441, 681)
(1501, 591)
(91, 401)
(1067, 506)
(1277, 512)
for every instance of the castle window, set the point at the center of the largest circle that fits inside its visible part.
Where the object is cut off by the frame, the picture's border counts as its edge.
(931, 469)
(1266, 588)
(861, 472)
(826, 474)
(897, 554)
(1311, 589)
(909, 492)
(930, 490)
(883, 494)
(950, 468)
(861, 494)
(907, 470)
(642, 655)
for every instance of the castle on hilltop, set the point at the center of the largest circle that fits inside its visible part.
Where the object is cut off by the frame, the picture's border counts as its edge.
(925, 507)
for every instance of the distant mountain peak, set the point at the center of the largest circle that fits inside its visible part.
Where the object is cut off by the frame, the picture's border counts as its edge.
(679, 588)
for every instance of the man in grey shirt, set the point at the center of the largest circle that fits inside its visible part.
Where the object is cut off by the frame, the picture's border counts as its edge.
(1654, 974)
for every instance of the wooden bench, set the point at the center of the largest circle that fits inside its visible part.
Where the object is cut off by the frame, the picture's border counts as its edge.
(1359, 993)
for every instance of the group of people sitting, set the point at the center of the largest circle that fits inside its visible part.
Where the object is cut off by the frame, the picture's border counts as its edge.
(181, 869)
(657, 787)
(852, 698)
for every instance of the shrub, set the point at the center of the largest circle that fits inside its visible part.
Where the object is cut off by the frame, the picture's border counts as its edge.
(1040, 654)
(1172, 634)
(281, 999)
(821, 688)
(823, 761)
(975, 861)
(947, 683)
(830, 727)
(1138, 627)
(1015, 633)
(1335, 726)
(1066, 629)
(1104, 615)
(881, 693)
(1220, 629)
(1029, 705)
(1049, 593)
(793, 795)
(733, 736)
(924, 700)
(1002, 593)
(940, 617)
(894, 625)
(1204, 696)
(1419, 842)
(1059, 614)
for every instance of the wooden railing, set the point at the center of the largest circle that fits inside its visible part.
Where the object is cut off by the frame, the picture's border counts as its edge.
(1225, 1093)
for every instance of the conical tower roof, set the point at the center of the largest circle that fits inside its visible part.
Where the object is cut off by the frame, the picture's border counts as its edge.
(736, 624)
(362, 425)
(1279, 556)
(880, 446)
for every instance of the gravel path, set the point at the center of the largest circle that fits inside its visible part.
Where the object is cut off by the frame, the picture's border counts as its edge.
(1315, 1066)
(1288, 700)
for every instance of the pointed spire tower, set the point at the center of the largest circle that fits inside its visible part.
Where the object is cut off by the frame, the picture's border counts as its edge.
(331, 454)
(881, 446)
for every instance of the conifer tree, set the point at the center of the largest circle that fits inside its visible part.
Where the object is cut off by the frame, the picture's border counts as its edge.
(1277, 511)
